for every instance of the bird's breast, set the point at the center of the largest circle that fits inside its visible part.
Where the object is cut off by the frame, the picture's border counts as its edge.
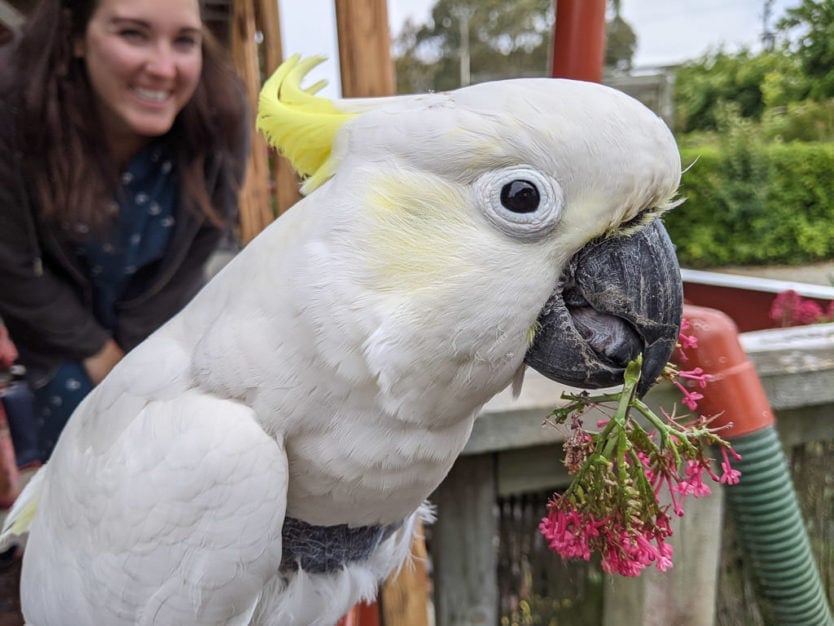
(361, 469)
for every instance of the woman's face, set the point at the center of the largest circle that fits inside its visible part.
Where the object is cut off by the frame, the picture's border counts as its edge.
(143, 59)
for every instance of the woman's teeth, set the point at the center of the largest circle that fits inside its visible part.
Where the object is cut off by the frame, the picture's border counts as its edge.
(151, 94)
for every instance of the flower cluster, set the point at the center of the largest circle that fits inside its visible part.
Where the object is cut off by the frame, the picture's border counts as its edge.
(791, 309)
(612, 506)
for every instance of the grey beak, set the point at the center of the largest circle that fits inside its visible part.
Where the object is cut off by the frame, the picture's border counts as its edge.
(619, 297)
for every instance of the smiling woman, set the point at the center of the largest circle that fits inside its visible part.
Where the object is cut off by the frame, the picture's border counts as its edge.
(143, 60)
(120, 162)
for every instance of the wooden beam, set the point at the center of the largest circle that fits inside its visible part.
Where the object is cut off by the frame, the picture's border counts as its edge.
(404, 599)
(256, 211)
(364, 48)
(463, 544)
(268, 20)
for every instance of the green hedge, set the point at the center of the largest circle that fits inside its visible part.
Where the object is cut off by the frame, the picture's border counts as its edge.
(749, 203)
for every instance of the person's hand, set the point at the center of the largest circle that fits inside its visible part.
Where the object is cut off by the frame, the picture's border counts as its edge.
(100, 364)
(8, 352)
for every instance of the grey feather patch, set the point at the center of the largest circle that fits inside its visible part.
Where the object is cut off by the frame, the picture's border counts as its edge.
(326, 549)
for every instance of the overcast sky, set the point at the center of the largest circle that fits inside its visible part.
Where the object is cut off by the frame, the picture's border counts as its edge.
(668, 31)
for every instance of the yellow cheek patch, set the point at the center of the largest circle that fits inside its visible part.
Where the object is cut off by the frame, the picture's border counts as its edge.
(417, 232)
(300, 124)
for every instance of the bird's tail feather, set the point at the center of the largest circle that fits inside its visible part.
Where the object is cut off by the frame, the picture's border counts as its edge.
(16, 526)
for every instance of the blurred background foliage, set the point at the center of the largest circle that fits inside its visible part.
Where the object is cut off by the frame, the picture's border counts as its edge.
(756, 128)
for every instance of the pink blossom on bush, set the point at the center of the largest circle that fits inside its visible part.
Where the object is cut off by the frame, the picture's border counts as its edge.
(791, 309)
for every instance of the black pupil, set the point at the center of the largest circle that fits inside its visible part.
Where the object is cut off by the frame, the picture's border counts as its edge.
(520, 196)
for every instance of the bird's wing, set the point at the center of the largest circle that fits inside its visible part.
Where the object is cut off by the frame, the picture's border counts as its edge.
(184, 522)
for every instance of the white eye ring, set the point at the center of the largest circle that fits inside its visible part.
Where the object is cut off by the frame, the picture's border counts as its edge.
(531, 224)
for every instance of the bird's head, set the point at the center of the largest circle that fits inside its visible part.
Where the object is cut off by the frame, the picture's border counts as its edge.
(554, 185)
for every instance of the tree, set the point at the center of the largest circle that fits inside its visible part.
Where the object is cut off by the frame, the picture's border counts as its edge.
(620, 41)
(798, 69)
(809, 33)
(704, 87)
(480, 40)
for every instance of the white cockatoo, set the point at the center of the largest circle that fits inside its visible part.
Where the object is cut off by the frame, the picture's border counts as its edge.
(262, 458)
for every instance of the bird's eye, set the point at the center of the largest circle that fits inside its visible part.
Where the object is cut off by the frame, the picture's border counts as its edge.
(522, 202)
(520, 196)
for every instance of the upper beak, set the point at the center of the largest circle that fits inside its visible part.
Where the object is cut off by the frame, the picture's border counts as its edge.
(618, 297)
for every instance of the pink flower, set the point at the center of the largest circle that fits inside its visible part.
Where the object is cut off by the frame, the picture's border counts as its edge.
(685, 341)
(693, 484)
(567, 533)
(626, 547)
(697, 375)
(791, 309)
(664, 559)
(688, 341)
(612, 507)
(729, 476)
(690, 398)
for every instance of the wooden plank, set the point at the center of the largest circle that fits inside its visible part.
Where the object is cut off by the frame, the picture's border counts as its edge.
(404, 599)
(463, 546)
(686, 593)
(805, 424)
(507, 422)
(530, 469)
(268, 19)
(255, 199)
(364, 48)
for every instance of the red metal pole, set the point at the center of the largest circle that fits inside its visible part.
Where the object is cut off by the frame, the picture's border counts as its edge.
(579, 39)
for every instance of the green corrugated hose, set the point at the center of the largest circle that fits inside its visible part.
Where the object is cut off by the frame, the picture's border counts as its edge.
(772, 533)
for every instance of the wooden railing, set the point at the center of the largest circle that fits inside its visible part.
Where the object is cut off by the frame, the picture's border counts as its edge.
(512, 452)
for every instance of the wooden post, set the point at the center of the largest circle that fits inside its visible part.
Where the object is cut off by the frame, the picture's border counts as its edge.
(686, 594)
(364, 48)
(404, 599)
(268, 20)
(255, 199)
(463, 546)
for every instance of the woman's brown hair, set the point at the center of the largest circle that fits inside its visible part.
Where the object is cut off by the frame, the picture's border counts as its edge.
(57, 126)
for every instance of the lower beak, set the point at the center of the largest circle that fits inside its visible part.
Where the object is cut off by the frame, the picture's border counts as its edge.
(619, 297)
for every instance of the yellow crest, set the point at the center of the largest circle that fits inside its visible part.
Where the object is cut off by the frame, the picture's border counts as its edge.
(298, 123)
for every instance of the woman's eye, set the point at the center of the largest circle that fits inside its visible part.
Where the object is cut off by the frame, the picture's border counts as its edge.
(132, 34)
(520, 196)
(187, 41)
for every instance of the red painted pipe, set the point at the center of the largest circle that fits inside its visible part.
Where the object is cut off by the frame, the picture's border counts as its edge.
(579, 39)
(735, 393)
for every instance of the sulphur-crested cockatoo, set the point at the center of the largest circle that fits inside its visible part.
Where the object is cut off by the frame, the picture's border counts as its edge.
(262, 458)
